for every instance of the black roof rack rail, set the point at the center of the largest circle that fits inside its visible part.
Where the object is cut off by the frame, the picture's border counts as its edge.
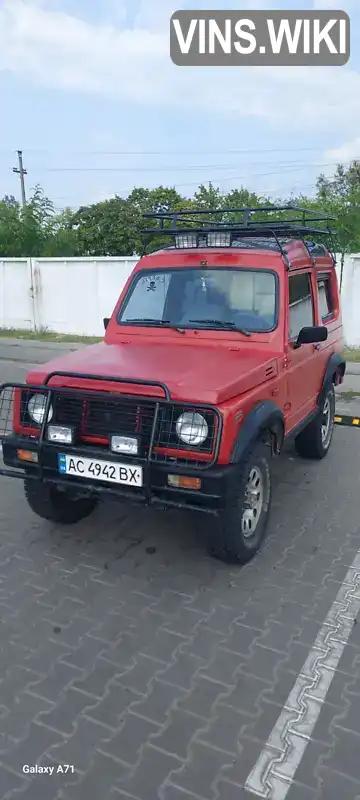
(199, 223)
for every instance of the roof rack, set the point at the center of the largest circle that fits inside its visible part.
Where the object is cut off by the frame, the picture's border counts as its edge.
(218, 228)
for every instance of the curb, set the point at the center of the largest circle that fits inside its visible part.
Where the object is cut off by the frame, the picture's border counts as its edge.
(346, 420)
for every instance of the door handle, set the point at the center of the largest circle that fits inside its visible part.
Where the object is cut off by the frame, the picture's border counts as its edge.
(317, 346)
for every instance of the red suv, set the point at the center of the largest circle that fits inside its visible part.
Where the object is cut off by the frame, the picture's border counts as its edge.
(221, 347)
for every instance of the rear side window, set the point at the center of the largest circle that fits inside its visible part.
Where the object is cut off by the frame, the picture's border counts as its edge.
(301, 309)
(326, 300)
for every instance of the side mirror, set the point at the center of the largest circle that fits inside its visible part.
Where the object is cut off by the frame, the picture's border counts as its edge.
(106, 322)
(312, 335)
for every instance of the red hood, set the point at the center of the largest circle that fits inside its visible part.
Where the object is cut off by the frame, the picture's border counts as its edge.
(204, 374)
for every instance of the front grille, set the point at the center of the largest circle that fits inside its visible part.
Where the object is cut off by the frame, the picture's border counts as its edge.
(99, 418)
(96, 417)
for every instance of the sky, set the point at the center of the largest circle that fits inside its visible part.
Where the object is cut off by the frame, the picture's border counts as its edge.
(90, 95)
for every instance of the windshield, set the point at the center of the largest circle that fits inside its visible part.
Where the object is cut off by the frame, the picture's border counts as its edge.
(241, 298)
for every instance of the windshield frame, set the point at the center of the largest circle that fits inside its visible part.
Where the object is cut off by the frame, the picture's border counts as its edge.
(141, 273)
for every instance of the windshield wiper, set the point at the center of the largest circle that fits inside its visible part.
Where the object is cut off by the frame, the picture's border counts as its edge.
(150, 320)
(218, 323)
(155, 322)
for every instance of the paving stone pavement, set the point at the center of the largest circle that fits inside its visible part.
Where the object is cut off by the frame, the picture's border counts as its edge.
(153, 671)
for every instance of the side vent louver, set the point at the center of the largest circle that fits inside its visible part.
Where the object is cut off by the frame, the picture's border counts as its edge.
(270, 372)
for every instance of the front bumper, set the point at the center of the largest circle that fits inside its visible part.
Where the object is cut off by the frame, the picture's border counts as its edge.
(211, 498)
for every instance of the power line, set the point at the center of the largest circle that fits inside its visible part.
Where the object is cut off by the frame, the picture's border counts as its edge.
(174, 152)
(283, 165)
(278, 190)
(282, 168)
(240, 177)
(202, 152)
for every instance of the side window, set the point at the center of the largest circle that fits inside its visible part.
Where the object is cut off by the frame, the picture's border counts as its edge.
(301, 309)
(326, 302)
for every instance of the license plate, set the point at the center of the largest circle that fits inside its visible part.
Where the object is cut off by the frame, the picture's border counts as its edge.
(100, 470)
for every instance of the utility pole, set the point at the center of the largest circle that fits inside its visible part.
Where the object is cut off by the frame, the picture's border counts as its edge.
(22, 172)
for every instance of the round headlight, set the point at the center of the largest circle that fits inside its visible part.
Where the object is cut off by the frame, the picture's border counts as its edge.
(192, 428)
(37, 407)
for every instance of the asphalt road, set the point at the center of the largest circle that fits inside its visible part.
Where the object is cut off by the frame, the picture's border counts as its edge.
(145, 669)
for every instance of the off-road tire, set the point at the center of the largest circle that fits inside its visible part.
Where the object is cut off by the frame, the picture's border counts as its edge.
(227, 540)
(54, 505)
(310, 442)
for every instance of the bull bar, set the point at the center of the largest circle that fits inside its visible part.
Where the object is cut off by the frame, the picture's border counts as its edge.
(154, 490)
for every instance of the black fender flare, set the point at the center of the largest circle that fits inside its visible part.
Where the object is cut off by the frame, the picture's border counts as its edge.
(336, 363)
(265, 416)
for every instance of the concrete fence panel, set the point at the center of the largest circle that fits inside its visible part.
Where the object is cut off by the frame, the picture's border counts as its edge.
(350, 300)
(74, 295)
(16, 294)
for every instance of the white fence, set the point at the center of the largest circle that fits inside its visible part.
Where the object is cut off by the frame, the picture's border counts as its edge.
(350, 298)
(68, 296)
(73, 295)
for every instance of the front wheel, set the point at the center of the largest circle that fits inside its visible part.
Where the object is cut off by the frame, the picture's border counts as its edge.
(57, 505)
(241, 531)
(315, 440)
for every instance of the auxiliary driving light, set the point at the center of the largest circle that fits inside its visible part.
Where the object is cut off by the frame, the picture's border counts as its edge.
(220, 239)
(125, 444)
(186, 240)
(56, 433)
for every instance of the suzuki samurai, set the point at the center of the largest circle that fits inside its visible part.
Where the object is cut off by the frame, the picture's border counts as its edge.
(223, 346)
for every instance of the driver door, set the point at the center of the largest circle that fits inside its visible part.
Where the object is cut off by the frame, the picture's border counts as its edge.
(301, 364)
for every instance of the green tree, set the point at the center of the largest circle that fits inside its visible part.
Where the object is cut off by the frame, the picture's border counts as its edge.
(10, 228)
(114, 227)
(25, 231)
(36, 223)
(241, 198)
(208, 197)
(238, 198)
(340, 196)
(159, 200)
(61, 240)
(103, 229)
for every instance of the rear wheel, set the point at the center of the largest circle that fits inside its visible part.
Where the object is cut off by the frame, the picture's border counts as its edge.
(57, 505)
(315, 440)
(241, 531)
